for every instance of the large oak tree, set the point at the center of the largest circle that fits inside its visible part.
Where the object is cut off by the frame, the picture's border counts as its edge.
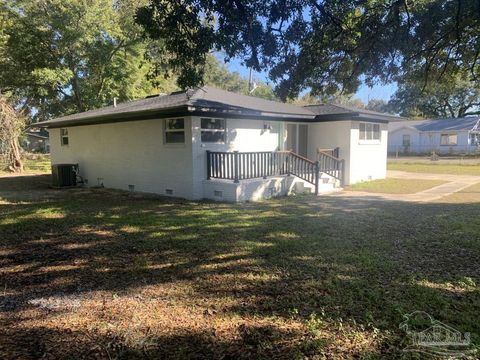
(325, 45)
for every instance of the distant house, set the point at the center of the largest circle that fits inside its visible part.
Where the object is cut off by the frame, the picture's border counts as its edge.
(444, 136)
(210, 143)
(36, 141)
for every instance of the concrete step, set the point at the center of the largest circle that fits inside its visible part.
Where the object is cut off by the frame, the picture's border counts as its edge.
(302, 187)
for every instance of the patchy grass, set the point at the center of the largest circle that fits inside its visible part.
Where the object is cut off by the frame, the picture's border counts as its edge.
(395, 186)
(34, 164)
(105, 274)
(435, 168)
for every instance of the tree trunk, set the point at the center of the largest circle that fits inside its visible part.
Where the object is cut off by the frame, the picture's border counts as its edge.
(11, 126)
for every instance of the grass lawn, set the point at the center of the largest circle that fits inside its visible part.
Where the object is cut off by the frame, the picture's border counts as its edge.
(435, 168)
(39, 164)
(395, 186)
(112, 275)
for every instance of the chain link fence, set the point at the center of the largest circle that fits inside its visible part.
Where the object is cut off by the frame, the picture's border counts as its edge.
(428, 150)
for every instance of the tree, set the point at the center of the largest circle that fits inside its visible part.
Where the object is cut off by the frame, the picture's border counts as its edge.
(378, 105)
(11, 126)
(217, 75)
(335, 99)
(453, 95)
(325, 45)
(65, 56)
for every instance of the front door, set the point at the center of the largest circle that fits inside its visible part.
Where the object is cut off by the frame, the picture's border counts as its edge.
(297, 135)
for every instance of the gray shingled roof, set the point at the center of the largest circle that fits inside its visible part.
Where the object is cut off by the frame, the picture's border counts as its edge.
(200, 99)
(206, 100)
(467, 123)
(395, 125)
(335, 109)
(450, 124)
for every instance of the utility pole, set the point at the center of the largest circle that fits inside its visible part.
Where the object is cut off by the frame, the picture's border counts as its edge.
(251, 84)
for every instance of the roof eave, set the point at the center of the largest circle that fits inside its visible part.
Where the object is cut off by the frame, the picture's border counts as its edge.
(355, 116)
(114, 118)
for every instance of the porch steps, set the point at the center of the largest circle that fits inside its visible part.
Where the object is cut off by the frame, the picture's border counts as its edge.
(327, 184)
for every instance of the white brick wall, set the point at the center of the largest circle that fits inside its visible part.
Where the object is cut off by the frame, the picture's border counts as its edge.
(128, 153)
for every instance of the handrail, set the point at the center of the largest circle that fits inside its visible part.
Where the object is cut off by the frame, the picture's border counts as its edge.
(238, 166)
(328, 155)
(335, 152)
(331, 166)
(304, 169)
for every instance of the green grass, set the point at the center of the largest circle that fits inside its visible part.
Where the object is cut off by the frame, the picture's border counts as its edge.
(106, 274)
(435, 168)
(35, 164)
(395, 186)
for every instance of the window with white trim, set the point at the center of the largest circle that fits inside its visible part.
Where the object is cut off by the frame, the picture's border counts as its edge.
(64, 137)
(369, 131)
(448, 139)
(213, 130)
(406, 140)
(174, 131)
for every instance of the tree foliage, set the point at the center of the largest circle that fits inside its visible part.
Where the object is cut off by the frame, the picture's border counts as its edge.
(449, 96)
(63, 56)
(217, 75)
(325, 45)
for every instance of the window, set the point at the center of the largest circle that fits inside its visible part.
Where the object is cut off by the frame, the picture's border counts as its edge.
(474, 139)
(369, 131)
(64, 137)
(174, 131)
(213, 130)
(448, 139)
(406, 140)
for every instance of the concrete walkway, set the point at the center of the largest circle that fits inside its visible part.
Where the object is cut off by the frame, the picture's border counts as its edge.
(455, 183)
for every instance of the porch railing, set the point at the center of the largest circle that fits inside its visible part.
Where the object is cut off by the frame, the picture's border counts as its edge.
(335, 152)
(331, 165)
(238, 166)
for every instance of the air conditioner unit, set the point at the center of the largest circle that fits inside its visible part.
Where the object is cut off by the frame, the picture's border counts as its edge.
(64, 175)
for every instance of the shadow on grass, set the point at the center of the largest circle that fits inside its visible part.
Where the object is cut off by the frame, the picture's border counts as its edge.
(327, 263)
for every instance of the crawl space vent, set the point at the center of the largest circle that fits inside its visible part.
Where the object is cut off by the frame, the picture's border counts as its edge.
(169, 191)
(218, 193)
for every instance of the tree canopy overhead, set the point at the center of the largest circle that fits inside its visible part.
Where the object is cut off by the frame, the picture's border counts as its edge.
(325, 45)
(450, 96)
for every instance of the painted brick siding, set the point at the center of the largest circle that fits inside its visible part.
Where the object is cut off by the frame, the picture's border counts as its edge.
(128, 153)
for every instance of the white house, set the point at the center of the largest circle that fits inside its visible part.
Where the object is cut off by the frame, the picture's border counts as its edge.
(210, 143)
(444, 136)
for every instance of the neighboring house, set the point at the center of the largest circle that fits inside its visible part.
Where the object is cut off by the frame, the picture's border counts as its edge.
(210, 143)
(36, 141)
(444, 136)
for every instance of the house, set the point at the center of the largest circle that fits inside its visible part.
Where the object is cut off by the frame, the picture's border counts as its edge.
(36, 141)
(444, 136)
(210, 143)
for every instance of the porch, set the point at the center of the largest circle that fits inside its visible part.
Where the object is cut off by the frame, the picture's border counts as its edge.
(240, 176)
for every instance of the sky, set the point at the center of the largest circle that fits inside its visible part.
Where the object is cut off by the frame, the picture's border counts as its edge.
(364, 93)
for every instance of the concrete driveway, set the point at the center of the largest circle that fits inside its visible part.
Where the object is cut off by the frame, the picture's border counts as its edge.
(455, 183)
